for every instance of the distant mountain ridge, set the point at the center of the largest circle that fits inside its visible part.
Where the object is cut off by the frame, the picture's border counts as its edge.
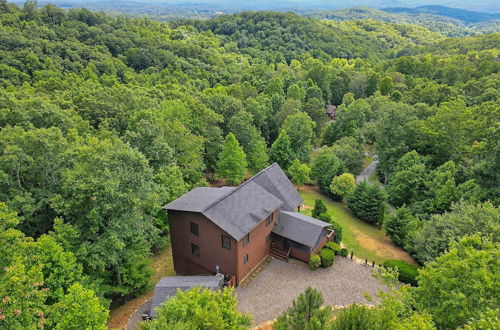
(466, 16)
(445, 25)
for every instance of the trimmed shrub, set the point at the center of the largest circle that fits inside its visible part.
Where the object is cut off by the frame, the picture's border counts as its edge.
(338, 231)
(325, 217)
(314, 261)
(407, 272)
(327, 257)
(333, 246)
(344, 252)
(319, 208)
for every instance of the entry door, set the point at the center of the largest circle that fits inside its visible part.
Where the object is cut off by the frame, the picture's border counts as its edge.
(286, 244)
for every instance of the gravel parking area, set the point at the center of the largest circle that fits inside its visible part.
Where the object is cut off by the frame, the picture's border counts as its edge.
(274, 289)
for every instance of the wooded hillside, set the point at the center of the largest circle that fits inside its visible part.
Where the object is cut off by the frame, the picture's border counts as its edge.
(105, 120)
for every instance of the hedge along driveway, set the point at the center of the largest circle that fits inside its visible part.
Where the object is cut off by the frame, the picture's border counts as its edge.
(366, 240)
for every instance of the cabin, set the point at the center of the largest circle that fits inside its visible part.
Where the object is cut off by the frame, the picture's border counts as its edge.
(231, 230)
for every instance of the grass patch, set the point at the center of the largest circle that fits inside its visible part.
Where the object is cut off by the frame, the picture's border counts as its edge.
(366, 240)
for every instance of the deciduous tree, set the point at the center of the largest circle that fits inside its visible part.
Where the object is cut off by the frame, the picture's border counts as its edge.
(343, 185)
(299, 172)
(461, 283)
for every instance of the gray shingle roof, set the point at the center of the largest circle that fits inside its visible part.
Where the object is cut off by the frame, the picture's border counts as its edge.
(198, 199)
(275, 181)
(168, 286)
(241, 211)
(238, 210)
(299, 227)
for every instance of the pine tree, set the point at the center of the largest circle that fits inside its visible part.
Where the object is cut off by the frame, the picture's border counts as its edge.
(367, 202)
(319, 208)
(232, 162)
(305, 313)
(257, 154)
(281, 151)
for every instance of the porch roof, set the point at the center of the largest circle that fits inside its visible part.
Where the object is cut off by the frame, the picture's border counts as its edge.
(300, 228)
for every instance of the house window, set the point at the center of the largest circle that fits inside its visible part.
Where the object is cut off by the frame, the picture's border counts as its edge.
(194, 228)
(195, 249)
(245, 258)
(246, 239)
(269, 219)
(226, 242)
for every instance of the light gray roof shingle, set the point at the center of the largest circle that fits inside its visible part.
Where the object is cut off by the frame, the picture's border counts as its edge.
(275, 181)
(168, 286)
(299, 227)
(198, 199)
(237, 210)
(241, 211)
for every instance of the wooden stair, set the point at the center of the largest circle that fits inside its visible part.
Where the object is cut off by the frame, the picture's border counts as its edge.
(279, 254)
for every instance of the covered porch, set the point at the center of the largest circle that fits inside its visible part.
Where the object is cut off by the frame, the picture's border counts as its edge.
(298, 236)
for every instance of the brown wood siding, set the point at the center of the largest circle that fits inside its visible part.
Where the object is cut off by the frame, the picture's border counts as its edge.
(323, 242)
(257, 249)
(300, 254)
(209, 240)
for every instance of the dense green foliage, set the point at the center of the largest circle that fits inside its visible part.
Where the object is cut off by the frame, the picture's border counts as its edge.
(447, 21)
(333, 226)
(327, 257)
(435, 235)
(359, 317)
(333, 246)
(342, 186)
(41, 285)
(314, 261)
(104, 120)
(319, 208)
(367, 201)
(298, 172)
(232, 162)
(305, 313)
(460, 284)
(199, 309)
(407, 272)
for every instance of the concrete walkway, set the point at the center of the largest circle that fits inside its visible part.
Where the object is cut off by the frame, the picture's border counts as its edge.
(273, 291)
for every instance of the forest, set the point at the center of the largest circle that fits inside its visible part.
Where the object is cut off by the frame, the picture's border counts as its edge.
(103, 120)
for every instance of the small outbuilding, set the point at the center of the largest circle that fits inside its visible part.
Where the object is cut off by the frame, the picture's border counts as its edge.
(168, 286)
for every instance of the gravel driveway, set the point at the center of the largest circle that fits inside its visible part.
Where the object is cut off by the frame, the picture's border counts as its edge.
(274, 289)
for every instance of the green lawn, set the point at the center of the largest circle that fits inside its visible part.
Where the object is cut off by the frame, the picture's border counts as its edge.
(367, 241)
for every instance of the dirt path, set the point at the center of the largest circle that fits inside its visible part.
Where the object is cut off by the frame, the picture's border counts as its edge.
(162, 265)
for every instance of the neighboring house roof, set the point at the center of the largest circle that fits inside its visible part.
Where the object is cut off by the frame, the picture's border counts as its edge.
(238, 210)
(300, 228)
(168, 286)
